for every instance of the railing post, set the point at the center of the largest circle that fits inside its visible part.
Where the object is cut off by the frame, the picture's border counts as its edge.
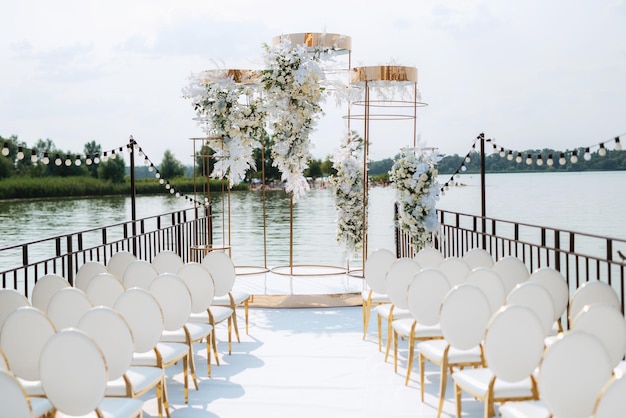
(133, 193)
(483, 199)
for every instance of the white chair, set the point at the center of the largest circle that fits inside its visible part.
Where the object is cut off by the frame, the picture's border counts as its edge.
(556, 285)
(118, 262)
(375, 293)
(589, 293)
(86, 272)
(572, 373)
(202, 290)
(513, 348)
(489, 282)
(45, 287)
(455, 269)
(512, 271)
(426, 290)
(10, 300)
(465, 312)
(478, 257)
(536, 297)
(67, 306)
(16, 403)
(612, 399)
(608, 325)
(22, 338)
(76, 384)
(428, 257)
(222, 269)
(104, 289)
(139, 273)
(167, 261)
(145, 318)
(397, 281)
(111, 332)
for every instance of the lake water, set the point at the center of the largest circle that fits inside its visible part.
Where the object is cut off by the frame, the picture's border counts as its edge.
(584, 202)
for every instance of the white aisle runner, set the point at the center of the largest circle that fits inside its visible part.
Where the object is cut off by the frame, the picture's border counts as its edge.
(305, 363)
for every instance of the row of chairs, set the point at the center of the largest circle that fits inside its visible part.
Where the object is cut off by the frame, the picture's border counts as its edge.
(451, 314)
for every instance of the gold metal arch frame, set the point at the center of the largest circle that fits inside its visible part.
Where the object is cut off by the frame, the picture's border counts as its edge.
(381, 77)
(243, 77)
(339, 45)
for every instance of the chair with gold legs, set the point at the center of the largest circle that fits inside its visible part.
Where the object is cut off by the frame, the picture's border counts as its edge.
(376, 267)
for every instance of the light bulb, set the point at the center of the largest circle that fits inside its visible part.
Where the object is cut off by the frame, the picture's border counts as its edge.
(602, 151)
(5, 149)
(618, 145)
(562, 160)
(161, 181)
(104, 157)
(167, 186)
(529, 159)
(146, 161)
(574, 158)
(463, 168)
(157, 175)
(177, 194)
(151, 168)
(68, 161)
(96, 159)
(539, 160)
(33, 156)
(88, 160)
(468, 159)
(20, 153)
(550, 160)
(57, 160)
(171, 191)
(502, 153)
(510, 156)
(45, 159)
(518, 159)
(587, 155)
(78, 161)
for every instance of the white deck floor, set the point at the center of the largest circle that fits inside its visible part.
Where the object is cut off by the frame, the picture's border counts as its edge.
(305, 362)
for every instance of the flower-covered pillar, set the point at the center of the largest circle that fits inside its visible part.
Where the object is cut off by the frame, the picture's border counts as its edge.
(228, 108)
(389, 93)
(294, 89)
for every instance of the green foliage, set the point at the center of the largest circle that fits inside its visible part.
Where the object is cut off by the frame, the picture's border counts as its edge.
(170, 166)
(113, 169)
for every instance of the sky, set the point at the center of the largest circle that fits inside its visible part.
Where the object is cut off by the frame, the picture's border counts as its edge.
(531, 75)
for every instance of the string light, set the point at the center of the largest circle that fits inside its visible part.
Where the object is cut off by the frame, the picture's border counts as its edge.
(78, 161)
(57, 160)
(88, 159)
(529, 159)
(46, 159)
(574, 158)
(104, 157)
(518, 159)
(20, 153)
(33, 156)
(510, 156)
(587, 155)
(550, 161)
(468, 159)
(562, 160)
(618, 145)
(68, 161)
(96, 159)
(602, 151)
(5, 149)
(539, 160)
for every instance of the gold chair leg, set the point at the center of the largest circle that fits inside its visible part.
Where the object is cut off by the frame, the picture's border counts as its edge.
(457, 396)
(389, 332)
(395, 352)
(409, 366)
(245, 310)
(422, 364)
(443, 384)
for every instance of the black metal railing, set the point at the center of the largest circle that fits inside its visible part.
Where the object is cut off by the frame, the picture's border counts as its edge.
(22, 264)
(580, 257)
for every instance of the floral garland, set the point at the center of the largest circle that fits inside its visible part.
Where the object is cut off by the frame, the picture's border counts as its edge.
(293, 94)
(348, 192)
(235, 127)
(414, 175)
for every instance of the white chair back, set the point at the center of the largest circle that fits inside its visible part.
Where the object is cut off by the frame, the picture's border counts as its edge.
(489, 282)
(512, 271)
(607, 324)
(398, 279)
(376, 267)
(139, 273)
(428, 257)
(200, 284)
(612, 399)
(222, 270)
(110, 331)
(478, 257)
(22, 338)
(426, 292)
(86, 272)
(173, 296)
(455, 269)
(572, 373)
(10, 300)
(104, 289)
(514, 343)
(76, 383)
(118, 262)
(15, 401)
(465, 313)
(67, 306)
(144, 316)
(556, 285)
(45, 287)
(536, 297)
(167, 261)
(592, 292)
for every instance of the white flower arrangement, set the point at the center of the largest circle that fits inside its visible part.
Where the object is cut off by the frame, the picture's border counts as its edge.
(348, 192)
(293, 93)
(232, 118)
(414, 175)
